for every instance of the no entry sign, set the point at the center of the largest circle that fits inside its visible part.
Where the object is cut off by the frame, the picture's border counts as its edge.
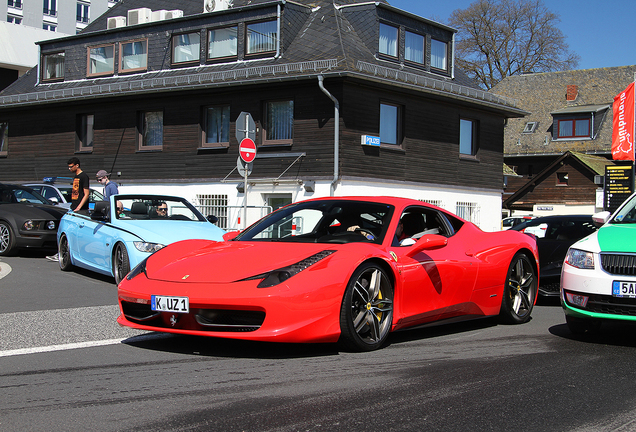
(247, 150)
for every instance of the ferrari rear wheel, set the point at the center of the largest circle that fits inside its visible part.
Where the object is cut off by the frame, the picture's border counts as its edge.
(7, 239)
(366, 314)
(64, 254)
(121, 264)
(520, 290)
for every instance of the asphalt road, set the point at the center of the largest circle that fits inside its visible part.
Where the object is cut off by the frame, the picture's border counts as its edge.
(66, 365)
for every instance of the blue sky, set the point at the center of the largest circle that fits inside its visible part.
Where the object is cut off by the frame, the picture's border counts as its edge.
(602, 33)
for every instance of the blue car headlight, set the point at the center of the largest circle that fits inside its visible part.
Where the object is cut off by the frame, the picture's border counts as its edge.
(280, 275)
(580, 259)
(148, 247)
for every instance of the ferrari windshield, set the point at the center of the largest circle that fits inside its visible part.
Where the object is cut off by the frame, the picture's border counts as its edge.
(323, 221)
(627, 214)
(156, 207)
(15, 194)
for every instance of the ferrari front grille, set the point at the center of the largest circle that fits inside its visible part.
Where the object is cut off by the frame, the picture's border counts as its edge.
(619, 264)
(230, 320)
(138, 312)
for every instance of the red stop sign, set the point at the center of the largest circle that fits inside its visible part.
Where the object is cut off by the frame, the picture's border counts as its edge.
(247, 150)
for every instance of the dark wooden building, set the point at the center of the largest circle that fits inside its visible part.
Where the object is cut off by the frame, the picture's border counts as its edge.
(354, 98)
(570, 116)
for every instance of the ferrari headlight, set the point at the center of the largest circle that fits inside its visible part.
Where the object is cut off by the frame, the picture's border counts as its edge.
(50, 225)
(140, 268)
(580, 259)
(28, 225)
(276, 277)
(147, 247)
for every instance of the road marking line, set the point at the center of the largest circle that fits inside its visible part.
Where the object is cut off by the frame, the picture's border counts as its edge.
(78, 345)
(5, 269)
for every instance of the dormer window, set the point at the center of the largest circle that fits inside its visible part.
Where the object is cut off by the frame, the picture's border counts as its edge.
(53, 67)
(574, 128)
(222, 43)
(414, 47)
(101, 60)
(261, 37)
(439, 54)
(388, 40)
(186, 47)
(133, 56)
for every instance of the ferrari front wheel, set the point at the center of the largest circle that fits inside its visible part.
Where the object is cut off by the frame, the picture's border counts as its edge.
(520, 290)
(121, 264)
(366, 313)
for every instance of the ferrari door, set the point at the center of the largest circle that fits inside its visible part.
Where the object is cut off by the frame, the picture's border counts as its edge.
(438, 281)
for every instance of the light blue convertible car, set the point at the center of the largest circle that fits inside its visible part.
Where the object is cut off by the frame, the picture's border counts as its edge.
(118, 235)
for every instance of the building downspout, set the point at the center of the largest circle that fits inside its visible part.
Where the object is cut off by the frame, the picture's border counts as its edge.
(336, 135)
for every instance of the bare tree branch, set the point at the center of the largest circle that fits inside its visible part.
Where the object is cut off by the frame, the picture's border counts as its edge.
(499, 38)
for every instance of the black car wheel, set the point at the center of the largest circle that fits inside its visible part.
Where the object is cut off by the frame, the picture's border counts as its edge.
(64, 254)
(121, 264)
(7, 239)
(366, 313)
(520, 290)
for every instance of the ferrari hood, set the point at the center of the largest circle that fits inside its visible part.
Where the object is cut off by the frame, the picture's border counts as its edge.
(224, 262)
(172, 231)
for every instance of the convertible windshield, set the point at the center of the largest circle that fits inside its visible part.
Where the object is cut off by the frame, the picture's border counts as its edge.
(155, 207)
(627, 214)
(323, 221)
(21, 195)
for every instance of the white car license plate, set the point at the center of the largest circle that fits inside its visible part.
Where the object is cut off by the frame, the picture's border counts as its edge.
(169, 304)
(624, 289)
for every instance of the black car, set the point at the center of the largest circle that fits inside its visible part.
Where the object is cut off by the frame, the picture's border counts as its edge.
(27, 219)
(555, 234)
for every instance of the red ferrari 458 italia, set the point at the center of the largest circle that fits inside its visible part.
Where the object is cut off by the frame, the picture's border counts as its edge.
(334, 269)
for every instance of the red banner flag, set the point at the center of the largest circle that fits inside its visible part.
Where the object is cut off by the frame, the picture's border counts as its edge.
(623, 127)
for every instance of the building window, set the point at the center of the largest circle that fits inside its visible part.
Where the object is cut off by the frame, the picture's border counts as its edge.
(53, 67)
(101, 60)
(216, 131)
(439, 54)
(388, 40)
(150, 130)
(468, 211)
(574, 128)
(467, 137)
(84, 134)
(414, 47)
(83, 13)
(133, 56)
(17, 4)
(562, 179)
(14, 19)
(279, 123)
(216, 205)
(390, 124)
(49, 27)
(4, 138)
(222, 43)
(261, 37)
(530, 127)
(50, 7)
(186, 48)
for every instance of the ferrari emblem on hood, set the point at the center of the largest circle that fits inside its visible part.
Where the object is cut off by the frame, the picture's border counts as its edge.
(185, 277)
(393, 255)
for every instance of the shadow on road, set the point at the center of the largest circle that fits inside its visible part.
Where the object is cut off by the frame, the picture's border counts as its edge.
(615, 333)
(218, 347)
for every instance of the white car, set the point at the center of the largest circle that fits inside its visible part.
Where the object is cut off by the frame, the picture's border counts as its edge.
(58, 190)
(598, 279)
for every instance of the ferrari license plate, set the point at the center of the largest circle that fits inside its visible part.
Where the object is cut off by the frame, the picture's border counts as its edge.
(169, 304)
(624, 289)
